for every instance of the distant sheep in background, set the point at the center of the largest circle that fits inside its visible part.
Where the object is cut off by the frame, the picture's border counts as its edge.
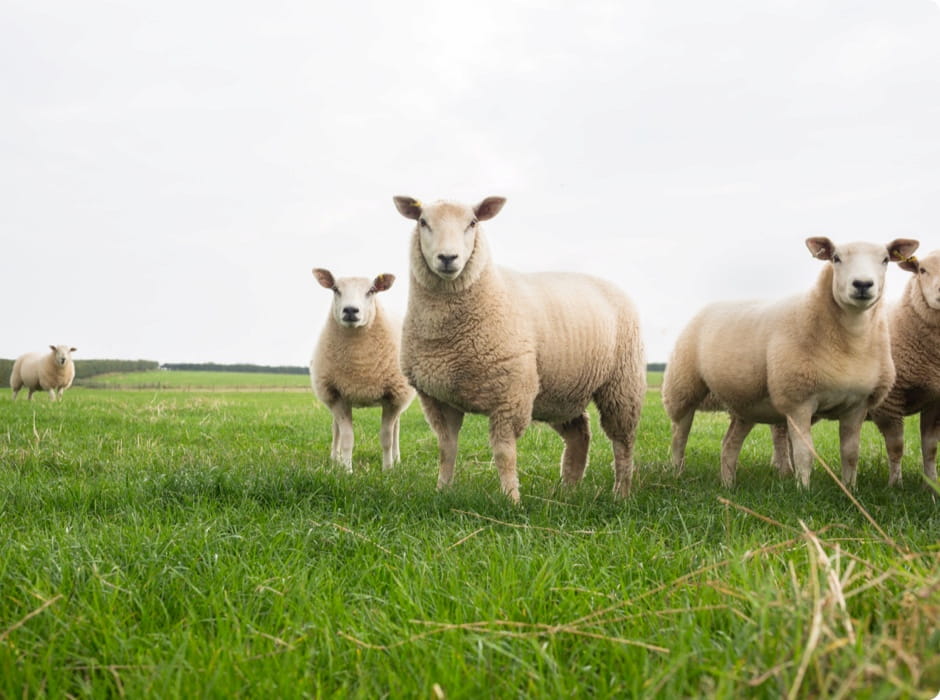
(823, 354)
(355, 363)
(515, 347)
(915, 346)
(52, 372)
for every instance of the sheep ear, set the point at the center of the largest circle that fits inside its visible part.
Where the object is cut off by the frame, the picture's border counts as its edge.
(383, 282)
(489, 208)
(73, 349)
(902, 250)
(409, 207)
(821, 247)
(324, 277)
(52, 347)
(911, 265)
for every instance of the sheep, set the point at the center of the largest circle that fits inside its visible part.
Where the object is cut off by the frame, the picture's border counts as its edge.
(52, 372)
(915, 327)
(355, 364)
(822, 354)
(515, 347)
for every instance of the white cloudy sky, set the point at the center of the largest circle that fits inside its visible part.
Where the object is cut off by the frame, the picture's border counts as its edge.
(170, 172)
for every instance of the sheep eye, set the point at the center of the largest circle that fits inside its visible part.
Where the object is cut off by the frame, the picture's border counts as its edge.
(423, 223)
(836, 259)
(473, 223)
(923, 271)
(885, 261)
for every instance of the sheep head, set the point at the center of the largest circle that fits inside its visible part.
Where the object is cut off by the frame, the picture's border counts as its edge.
(447, 231)
(63, 353)
(927, 270)
(354, 300)
(858, 269)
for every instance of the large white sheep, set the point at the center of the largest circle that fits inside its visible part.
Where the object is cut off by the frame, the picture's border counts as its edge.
(915, 347)
(51, 371)
(355, 363)
(822, 354)
(515, 347)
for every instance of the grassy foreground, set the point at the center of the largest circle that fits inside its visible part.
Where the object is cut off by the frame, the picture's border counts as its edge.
(199, 544)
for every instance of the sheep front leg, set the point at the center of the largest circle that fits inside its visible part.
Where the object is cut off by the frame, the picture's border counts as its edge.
(929, 435)
(799, 422)
(503, 437)
(342, 434)
(850, 429)
(731, 448)
(445, 421)
(892, 429)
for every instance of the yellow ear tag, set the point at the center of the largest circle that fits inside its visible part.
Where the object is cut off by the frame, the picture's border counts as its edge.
(900, 258)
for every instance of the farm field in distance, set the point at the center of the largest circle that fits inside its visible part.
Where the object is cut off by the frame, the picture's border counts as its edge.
(198, 542)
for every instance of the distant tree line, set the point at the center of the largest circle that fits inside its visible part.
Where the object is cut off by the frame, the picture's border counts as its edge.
(89, 368)
(214, 367)
(656, 367)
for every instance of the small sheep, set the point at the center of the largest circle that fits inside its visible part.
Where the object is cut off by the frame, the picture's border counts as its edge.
(52, 372)
(515, 347)
(823, 354)
(355, 363)
(915, 331)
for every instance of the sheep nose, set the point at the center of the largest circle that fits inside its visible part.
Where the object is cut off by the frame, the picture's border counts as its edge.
(447, 259)
(863, 285)
(350, 311)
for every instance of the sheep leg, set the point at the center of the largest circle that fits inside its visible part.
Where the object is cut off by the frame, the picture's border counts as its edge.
(929, 434)
(396, 430)
(388, 435)
(738, 429)
(781, 459)
(52, 394)
(445, 421)
(892, 429)
(850, 428)
(503, 437)
(680, 436)
(799, 422)
(334, 446)
(343, 428)
(577, 436)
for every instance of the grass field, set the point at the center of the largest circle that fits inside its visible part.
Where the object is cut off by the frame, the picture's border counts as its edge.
(198, 543)
(159, 379)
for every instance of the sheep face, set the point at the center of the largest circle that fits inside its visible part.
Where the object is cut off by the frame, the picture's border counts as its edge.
(353, 297)
(63, 353)
(858, 269)
(447, 231)
(927, 270)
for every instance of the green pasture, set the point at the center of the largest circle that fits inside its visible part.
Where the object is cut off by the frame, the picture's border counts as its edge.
(169, 543)
(188, 380)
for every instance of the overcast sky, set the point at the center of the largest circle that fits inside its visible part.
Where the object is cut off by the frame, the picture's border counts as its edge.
(170, 172)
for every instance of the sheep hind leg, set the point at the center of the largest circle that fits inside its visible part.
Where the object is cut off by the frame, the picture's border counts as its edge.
(892, 430)
(850, 429)
(731, 448)
(929, 434)
(620, 417)
(445, 421)
(781, 459)
(577, 436)
(343, 434)
(388, 435)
